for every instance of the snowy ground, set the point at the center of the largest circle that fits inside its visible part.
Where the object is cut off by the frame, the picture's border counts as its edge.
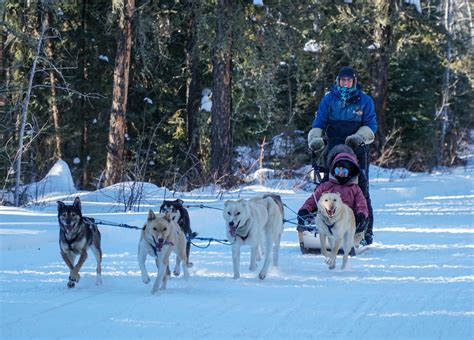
(416, 281)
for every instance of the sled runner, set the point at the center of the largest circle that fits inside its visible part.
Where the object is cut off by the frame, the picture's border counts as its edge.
(312, 245)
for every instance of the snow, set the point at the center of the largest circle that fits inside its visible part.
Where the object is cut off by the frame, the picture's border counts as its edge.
(104, 58)
(206, 101)
(312, 46)
(416, 280)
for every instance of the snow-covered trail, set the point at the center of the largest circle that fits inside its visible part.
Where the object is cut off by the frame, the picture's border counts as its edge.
(416, 281)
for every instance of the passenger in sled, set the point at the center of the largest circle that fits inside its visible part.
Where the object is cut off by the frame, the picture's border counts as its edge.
(343, 179)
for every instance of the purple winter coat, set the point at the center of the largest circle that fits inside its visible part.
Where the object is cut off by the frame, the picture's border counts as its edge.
(351, 194)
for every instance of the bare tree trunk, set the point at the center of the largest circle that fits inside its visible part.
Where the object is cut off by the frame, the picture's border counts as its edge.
(86, 172)
(443, 114)
(116, 146)
(52, 79)
(221, 139)
(24, 114)
(382, 38)
(193, 94)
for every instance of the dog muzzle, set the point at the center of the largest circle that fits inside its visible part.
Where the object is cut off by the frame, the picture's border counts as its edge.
(233, 229)
(331, 212)
(70, 227)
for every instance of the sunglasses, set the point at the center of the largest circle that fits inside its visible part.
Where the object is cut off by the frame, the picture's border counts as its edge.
(342, 172)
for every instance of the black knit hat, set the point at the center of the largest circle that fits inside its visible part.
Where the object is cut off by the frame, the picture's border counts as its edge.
(348, 72)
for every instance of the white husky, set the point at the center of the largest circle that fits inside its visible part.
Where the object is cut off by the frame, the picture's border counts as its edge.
(159, 237)
(335, 220)
(252, 222)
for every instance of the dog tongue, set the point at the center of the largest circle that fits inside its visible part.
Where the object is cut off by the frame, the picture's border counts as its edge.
(69, 227)
(233, 231)
(159, 245)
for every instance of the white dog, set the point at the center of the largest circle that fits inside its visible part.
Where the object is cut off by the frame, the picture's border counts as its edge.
(335, 220)
(159, 237)
(252, 222)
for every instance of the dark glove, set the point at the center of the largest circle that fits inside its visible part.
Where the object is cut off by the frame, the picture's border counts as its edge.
(303, 217)
(361, 222)
(364, 135)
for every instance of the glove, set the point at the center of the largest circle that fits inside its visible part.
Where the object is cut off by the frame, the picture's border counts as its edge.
(361, 222)
(315, 139)
(303, 216)
(364, 135)
(354, 141)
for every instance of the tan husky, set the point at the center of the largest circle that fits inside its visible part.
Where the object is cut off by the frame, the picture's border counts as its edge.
(257, 223)
(160, 236)
(335, 221)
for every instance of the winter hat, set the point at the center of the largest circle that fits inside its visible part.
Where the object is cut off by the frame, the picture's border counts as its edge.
(347, 72)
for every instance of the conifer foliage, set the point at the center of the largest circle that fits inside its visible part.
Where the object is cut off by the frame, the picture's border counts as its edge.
(264, 68)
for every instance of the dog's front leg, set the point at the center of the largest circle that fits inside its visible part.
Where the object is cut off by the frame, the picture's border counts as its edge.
(166, 260)
(334, 250)
(67, 260)
(75, 271)
(161, 272)
(70, 264)
(322, 242)
(236, 260)
(141, 262)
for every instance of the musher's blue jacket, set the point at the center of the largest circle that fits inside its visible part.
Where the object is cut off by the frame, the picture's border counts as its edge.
(340, 119)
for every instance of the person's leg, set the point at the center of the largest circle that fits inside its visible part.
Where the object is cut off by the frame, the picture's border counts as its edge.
(362, 157)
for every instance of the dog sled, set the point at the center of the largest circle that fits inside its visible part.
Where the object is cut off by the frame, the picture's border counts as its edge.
(308, 234)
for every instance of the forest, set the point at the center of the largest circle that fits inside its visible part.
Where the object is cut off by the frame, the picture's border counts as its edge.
(186, 93)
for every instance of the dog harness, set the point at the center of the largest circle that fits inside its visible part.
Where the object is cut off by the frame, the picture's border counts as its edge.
(330, 226)
(233, 232)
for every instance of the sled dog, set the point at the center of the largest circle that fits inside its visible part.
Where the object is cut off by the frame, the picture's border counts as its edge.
(180, 215)
(76, 235)
(160, 236)
(253, 222)
(335, 221)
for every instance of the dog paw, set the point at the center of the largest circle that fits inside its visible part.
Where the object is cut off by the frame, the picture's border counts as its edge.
(253, 268)
(146, 279)
(262, 276)
(176, 273)
(98, 281)
(332, 266)
(236, 276)
(190, 264)
(71, 284)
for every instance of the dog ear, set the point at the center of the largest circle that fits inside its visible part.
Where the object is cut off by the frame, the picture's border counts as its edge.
(179, 201)
(77, 203)
(168, 216)
(61, 205)
(151, 215)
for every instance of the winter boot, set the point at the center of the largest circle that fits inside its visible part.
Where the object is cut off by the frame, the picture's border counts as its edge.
(368, 238)
(301, 239)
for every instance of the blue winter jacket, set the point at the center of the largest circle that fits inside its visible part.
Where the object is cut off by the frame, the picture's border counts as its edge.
(340, 119)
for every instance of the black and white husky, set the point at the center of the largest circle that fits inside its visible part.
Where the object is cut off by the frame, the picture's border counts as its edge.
(180, 215)
(76, 235)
